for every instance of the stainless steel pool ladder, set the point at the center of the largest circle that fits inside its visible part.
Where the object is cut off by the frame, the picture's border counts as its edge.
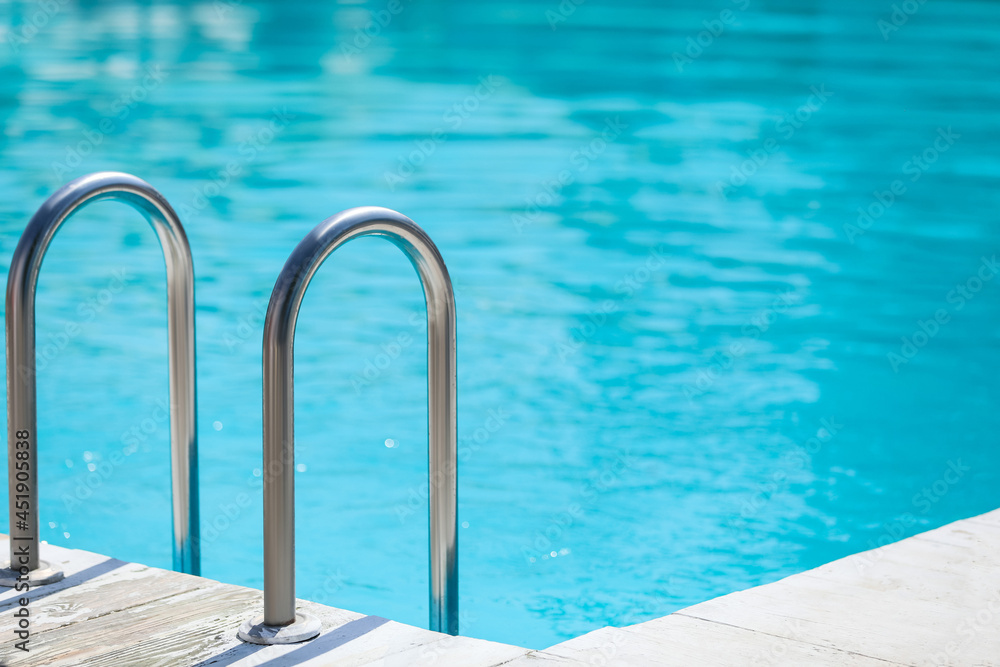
(280, 623)
(22, 427)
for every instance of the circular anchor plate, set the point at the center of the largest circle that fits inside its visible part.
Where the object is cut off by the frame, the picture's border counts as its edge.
(45, 574)
(255, 631)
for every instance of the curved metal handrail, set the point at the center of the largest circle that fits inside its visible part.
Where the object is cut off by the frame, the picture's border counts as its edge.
(280, 623)
(21, 391)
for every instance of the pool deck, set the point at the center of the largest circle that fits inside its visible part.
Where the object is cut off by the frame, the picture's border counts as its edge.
(932, 599)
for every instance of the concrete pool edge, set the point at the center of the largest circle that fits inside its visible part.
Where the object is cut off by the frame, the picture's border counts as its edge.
(930, 599)
(933, 598)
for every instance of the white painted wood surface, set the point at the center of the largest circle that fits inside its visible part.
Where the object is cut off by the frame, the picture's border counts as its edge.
(933, 599)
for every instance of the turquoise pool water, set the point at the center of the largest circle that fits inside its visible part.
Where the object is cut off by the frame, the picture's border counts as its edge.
(675, 325)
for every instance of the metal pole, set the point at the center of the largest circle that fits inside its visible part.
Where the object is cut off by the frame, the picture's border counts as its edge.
(280, 623)
(22, 428)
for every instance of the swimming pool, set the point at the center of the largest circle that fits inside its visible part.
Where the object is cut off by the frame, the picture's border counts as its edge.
(682, 365)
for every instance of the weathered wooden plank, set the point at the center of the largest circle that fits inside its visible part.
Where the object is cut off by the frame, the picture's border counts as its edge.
(137, 635)
(78, 566)
(122, 588)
